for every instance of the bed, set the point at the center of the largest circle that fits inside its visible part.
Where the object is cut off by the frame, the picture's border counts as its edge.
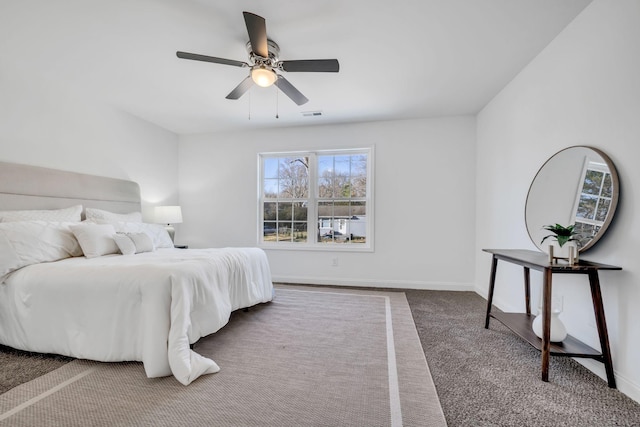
(64, 293)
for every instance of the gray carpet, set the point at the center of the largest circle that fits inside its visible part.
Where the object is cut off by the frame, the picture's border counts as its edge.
(312, 357)
(17, 367)
(483, 377)
(492, 378)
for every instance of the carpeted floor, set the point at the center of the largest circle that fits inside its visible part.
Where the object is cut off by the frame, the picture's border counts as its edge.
(17, 367)
(492, 377)
(483, 377)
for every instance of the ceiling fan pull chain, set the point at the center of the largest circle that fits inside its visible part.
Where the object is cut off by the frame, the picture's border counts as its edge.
(249, 104)
(277, 109)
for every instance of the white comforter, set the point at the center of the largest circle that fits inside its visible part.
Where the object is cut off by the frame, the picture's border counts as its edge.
(147, 307)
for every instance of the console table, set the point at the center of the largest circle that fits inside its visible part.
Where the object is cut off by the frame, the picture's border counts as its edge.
(520, 323)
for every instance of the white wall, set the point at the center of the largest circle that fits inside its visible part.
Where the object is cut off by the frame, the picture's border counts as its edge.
(421, 166)
(583, 89)
(46, 125)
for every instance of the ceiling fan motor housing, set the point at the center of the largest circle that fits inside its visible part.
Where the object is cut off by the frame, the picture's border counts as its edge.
(274, 54)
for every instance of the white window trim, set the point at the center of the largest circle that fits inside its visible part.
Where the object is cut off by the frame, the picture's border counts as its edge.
(311, 244)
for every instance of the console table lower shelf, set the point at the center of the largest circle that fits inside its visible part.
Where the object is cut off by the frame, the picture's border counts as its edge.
(520, 324)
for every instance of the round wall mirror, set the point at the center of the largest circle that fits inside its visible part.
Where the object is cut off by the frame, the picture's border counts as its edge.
(578, 185)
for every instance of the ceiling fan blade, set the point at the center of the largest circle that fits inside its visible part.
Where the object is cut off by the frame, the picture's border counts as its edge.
(205, 58)
(241, 89)
(257, 29)
(311, 65)
(288, 89)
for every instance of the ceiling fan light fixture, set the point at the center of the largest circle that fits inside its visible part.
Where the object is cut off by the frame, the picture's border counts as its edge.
(263, 76)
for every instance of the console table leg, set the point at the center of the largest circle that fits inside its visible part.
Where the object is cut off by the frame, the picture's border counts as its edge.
(546, 323)
(601, 323)
(527, 290)
(492, 284)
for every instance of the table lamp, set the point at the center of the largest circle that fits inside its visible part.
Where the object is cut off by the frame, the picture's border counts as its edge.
(168, 215)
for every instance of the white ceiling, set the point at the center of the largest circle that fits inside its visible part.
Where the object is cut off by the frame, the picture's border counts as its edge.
(398, 59)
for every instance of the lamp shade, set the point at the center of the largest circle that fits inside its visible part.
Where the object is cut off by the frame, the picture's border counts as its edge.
(168, 214)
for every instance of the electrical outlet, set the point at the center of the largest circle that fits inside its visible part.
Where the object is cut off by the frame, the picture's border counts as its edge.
(335, 262)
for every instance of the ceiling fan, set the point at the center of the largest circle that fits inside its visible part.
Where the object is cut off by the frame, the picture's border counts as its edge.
(264, 61)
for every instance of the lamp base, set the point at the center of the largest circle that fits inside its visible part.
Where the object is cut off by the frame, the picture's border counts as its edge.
(171, 231)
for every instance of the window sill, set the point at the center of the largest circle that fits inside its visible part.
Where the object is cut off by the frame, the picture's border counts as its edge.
(316, 248)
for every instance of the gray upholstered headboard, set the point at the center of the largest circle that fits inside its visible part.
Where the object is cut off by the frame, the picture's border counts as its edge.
(32, 187)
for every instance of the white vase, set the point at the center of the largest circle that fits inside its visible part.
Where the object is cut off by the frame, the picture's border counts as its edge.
(558, 330)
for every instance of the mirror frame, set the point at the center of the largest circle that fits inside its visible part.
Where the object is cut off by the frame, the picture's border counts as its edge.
(614, 196)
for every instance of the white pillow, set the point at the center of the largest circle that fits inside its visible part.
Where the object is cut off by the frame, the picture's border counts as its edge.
(142, 241)
(24, 243)
(133, 243)
(71, 214)
(99, 215)
(95, 239)
(125, 244)
(156, 232)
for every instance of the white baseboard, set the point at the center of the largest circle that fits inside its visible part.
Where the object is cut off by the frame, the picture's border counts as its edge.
(373, 283)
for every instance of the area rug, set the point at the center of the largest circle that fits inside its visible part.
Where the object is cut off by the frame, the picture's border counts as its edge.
(312, 357)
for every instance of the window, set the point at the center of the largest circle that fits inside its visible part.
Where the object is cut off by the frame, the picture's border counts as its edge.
(320, 199)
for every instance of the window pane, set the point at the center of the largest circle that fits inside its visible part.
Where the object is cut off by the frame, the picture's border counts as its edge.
(299, 231)
(325, 210)
(284, 211)
(325, 221)
(586, 207)
(269, 232)
(325, 165)
(284, 232)
(359, 165)
(342, 165)
(270, 167)
(294, 177)
(270, 187)
(585, 232)
(358, 209)
(300, 211)
(325, 186)
(592, 182)
(358, 222)
(270, 211)
(326, 174)
(607, 186)
(359, 186)
(603, 208)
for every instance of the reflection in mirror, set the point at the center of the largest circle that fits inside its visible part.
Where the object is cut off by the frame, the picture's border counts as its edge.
(593, 201)
(578, 185)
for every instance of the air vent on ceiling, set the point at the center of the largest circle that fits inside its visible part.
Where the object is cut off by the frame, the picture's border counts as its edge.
(311, 113)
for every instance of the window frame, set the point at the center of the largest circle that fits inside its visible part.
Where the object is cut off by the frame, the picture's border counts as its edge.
(312, 242)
